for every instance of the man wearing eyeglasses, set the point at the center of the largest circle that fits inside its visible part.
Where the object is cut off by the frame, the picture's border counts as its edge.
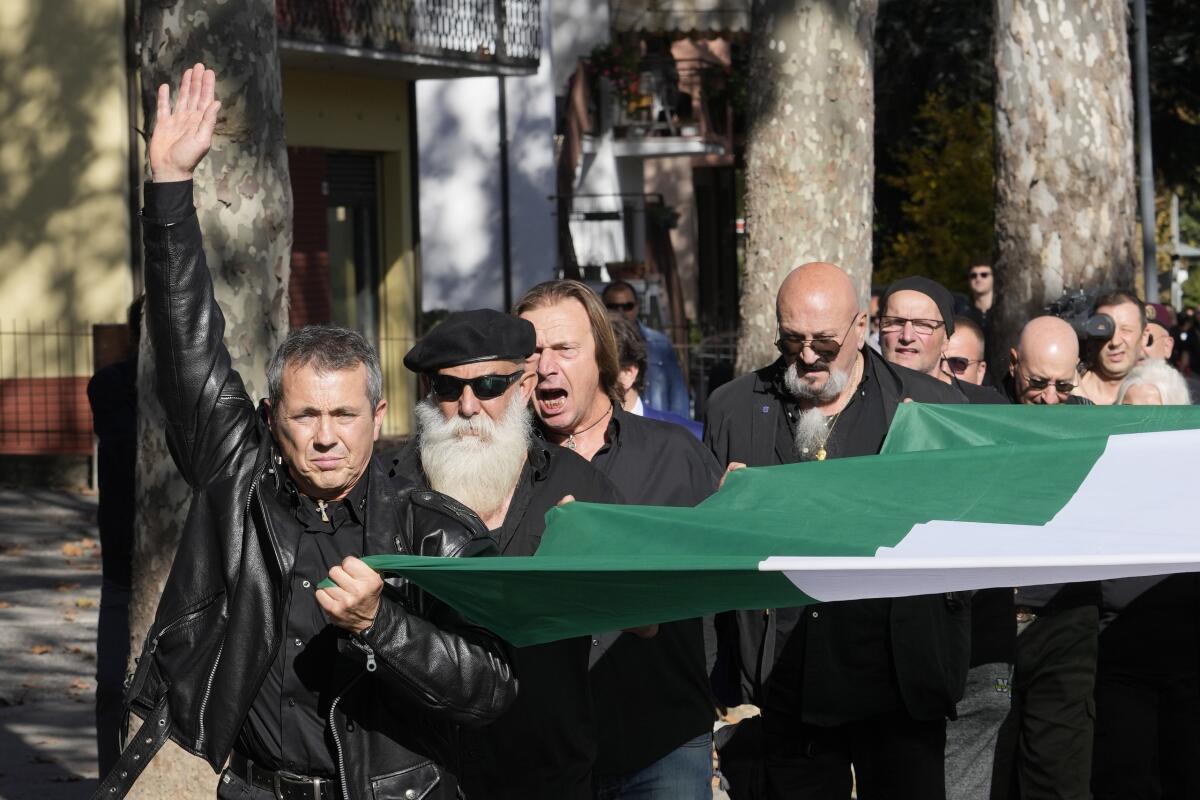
(1043, 368)
(982, 284)
(964, 357)
(1044, 748)
(916, 322)
(665, 388)
(1159, 342)
(865, 683)
(475, 442)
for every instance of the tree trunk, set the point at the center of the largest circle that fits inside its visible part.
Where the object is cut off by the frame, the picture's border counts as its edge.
(810, 161)
(244, 202)
(1064, 156)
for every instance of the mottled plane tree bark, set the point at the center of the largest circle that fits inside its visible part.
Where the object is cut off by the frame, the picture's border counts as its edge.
(244, 201)
(810, 164)
(1064, 155)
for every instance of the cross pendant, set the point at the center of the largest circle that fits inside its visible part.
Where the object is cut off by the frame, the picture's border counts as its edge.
(571, 442)
(322, 506)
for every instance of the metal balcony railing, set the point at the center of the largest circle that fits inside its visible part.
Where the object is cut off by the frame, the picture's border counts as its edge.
(474, 36)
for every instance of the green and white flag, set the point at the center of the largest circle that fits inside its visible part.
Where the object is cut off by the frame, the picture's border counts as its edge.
(962, 497)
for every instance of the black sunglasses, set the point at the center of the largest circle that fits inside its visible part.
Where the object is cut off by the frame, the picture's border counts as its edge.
(630, 306)
(825, 347)
(975, 275)
(958, 364)
(1040, 384)
(448, 388)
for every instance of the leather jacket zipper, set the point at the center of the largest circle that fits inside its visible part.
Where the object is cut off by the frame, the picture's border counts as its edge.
(337, 739)
(177, 623)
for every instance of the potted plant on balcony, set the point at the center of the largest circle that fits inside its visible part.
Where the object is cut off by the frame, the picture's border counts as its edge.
(614, 64)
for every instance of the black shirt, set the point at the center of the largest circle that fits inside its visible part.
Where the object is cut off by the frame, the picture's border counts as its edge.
(545, 745)
(652, 695)
(842, 660)
(287, 722)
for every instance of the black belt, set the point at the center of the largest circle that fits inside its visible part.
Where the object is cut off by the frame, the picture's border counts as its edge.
(282, 784)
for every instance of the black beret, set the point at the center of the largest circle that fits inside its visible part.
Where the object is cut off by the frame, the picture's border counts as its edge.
(466, 337)
(939, 294)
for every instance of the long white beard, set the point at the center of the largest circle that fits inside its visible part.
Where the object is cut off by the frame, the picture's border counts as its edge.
(833, 387)
(812, 431)
(476, 461)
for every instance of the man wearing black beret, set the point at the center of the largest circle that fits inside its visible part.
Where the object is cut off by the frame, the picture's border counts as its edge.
(475, 442)
(916, 320)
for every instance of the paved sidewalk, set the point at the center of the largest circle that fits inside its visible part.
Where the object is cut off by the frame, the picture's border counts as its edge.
(49, 596)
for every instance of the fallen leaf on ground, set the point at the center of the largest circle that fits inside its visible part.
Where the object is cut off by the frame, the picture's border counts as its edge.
(5, 604)
(72, 550)
(87, 543)
(84, 602)
(80, 685)
(66, 587)
(69, 615)
(41, 649)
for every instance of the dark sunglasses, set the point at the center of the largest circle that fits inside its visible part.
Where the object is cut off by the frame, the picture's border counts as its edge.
(825, 347)
(975, 275)
(448, 388)
(958, 364)
(1040, 384)
(630, 306)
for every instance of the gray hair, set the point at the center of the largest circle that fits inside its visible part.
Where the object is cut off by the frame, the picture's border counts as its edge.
(328, 348)
(1162, 376)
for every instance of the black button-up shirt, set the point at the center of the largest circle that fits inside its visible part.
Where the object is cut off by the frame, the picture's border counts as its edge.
(286, 727)
(652, 695)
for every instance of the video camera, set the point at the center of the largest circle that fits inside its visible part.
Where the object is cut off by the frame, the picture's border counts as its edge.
(1076, 308)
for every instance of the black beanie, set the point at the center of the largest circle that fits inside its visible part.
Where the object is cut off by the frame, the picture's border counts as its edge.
(939, 294)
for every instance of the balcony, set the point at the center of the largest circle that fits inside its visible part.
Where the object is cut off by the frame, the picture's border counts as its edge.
(412, 38)
(665, 106)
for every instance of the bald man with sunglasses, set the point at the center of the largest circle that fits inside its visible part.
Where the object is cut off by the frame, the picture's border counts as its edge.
(867, 684)
(476, 443)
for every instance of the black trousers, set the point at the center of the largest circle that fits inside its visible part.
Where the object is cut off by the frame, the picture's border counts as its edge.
(1044, 749)
(894, 756)
(1147, 736)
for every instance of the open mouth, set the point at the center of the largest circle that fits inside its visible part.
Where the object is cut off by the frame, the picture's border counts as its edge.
(551, 401)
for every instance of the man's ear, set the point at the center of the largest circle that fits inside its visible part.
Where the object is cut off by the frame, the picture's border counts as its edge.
(983, 368)
(380, 413)
(527, 383)
(627, 377)
(270, 414)
(1012, 361)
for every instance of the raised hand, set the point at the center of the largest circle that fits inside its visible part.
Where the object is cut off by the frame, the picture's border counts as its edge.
(182, 137)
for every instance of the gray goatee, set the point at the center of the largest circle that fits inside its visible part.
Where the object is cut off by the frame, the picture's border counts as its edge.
(476, 461)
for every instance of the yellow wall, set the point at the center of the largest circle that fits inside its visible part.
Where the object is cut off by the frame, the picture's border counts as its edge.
(64, 138)
(354, 112)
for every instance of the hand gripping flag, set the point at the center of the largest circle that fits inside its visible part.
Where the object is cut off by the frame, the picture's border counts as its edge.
(962, 497)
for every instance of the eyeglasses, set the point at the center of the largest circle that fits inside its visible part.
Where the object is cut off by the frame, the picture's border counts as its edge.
(924, 327)
(958, 364)
(1040, 384)
(448, 388)
(630, 306)
(974, 275)
(826, 348)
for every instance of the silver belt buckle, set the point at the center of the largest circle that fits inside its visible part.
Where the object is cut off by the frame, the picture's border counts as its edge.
(292, 777)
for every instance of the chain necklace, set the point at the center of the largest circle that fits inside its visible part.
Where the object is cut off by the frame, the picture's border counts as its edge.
(821, 453)
(570, 443)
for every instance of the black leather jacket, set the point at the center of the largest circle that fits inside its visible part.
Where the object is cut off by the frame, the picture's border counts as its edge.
(404, 686)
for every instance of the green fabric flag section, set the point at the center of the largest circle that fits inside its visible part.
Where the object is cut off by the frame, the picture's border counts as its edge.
(978, 470)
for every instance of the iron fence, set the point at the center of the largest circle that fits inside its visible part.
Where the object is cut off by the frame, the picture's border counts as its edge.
(44, 370)
(501, 32)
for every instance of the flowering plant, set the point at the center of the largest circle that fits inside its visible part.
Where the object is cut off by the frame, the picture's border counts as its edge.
(617, 63)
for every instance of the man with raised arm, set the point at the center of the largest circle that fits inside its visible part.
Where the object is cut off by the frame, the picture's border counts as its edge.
(354, 691)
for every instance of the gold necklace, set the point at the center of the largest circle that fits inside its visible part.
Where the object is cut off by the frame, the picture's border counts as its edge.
(570, 443)
(821, 452)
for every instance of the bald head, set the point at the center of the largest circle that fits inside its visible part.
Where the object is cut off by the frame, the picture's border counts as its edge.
(1047, 354)
(816, 288)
